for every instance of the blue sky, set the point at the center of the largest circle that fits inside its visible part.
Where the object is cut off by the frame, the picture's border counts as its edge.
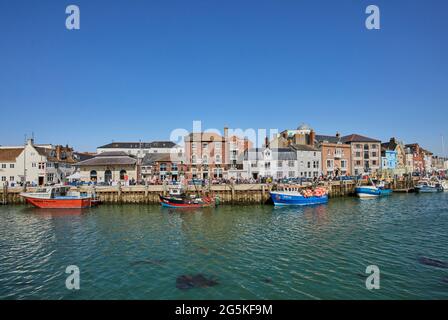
(138, 69)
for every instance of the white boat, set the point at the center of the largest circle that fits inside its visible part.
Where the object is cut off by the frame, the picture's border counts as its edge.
(429, 186)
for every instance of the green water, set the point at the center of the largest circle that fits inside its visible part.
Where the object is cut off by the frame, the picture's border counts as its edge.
(253, 252)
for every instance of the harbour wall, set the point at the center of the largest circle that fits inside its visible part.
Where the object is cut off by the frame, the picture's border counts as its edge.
(228, 193)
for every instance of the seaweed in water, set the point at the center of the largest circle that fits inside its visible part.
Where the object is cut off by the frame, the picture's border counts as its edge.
(185, 282)
(433, 262)
(267, 280)
(154, 262)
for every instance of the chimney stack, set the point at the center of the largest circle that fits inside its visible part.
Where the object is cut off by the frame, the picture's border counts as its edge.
(312, 138)
(266, 142)
(338, 135)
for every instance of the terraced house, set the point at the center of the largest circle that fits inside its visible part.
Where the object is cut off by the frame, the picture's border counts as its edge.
(365, 153)
(336, 155)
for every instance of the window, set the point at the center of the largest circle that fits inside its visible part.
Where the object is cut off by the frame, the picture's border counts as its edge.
(330, 164)
(279, 174)
(3, 178)
(329, 152)
(291, 174)
(218, 158)
(122, 174)
(291, 163)
(374, 163)
(358, 154)
(204, 159)
(33, 164)
(343, 164)
(204, 145)
(280, 164)
(174, 167)
(41, 165)
(193, 145)
(373, 154)
(3, 165)
(366, 147)
(93, 175)
(11, 178)
(193, 159)
(267, 165)
(358, 162)
(374, 146)
(309, 164)
(218, 145)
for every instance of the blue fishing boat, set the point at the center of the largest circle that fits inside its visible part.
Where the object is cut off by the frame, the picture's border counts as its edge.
(293, 196)
(372, 190)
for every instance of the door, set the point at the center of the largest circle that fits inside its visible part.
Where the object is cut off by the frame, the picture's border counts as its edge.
(41, 181)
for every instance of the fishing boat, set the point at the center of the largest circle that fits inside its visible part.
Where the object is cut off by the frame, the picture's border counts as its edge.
(429, 186)
(372, 190)
(178, 198)
(59, 197)
(297, 196)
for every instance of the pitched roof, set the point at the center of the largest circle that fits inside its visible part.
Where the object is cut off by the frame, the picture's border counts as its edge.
(9, 154)
(151, 158)
(304, 147)
(109, 158)
(327, 139)
(138, 145)
(357, 138)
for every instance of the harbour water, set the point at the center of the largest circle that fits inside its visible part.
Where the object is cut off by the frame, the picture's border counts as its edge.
(250, 252)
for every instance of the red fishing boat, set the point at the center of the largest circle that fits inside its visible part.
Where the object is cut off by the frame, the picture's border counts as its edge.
(59, 197)
(179, 199)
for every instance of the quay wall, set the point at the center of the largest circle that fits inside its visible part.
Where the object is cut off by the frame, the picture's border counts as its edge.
(228, 194)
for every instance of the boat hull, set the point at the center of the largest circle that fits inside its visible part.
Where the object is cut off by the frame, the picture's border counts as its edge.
(284, 199)
(371, 192)
(60, 203)
(428, 189)
(168, 202)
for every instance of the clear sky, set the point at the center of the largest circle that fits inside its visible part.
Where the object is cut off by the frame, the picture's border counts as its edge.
(139, 69)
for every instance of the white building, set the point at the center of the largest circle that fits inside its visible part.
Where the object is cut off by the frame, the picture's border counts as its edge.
(274, 163)
(308, 161)
(140, 149)
(36, 164)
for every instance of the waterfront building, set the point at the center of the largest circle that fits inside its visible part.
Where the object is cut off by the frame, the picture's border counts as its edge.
(276, 163)
(427, 160)
(388, 162)
(309, 159)
(399, 167)
(336, 156)
(210, 155)
(109, 168)
(365, 154)
(418, 157)
(409, 160)
(140, 149)
(162, 167)
(36, 164)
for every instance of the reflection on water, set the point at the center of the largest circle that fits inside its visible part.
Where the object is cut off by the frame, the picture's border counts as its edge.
(250, 252)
